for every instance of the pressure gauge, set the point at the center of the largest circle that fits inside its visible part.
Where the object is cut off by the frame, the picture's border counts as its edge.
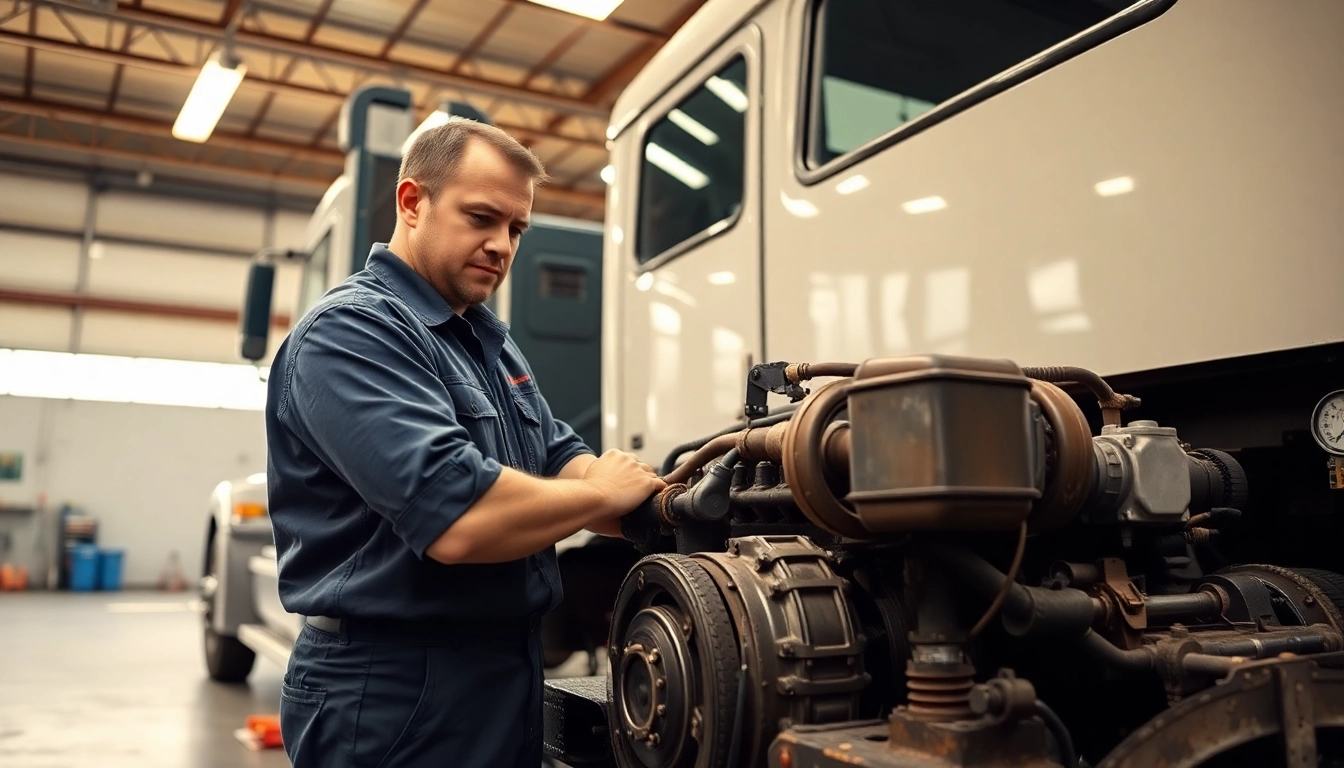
(1327, 423)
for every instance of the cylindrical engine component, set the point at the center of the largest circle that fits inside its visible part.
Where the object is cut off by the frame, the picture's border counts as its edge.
(940, 443)
(1216, 480)
(674, 667)
(1203, 604)
(1269, 594)
(804, 468)
(1142, 475)
(799, 632)
(1069, 459)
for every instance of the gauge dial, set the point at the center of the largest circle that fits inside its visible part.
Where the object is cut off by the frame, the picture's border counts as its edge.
(1327, 423)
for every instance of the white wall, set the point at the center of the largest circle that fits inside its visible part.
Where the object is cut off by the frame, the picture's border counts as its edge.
(145, 471)
(183, 275)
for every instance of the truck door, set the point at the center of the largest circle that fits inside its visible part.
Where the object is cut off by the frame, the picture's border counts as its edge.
(687, 250)
(555, 317)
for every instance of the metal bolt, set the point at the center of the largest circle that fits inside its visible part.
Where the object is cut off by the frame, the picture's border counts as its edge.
(660, 683)
(654, 656)
(639, 579)
(1309, 600)
(755, 374)
(653, 739)
(786, 649)
(661, 709)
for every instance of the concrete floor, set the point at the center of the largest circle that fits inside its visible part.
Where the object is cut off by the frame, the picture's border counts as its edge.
(118, 679)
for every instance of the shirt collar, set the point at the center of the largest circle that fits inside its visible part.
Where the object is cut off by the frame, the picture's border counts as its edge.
(429, 306)
(408, 285)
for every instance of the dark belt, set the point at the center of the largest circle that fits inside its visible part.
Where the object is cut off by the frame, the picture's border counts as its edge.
(436, 631)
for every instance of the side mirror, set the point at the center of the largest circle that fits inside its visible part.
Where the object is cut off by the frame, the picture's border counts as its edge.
(255, 320)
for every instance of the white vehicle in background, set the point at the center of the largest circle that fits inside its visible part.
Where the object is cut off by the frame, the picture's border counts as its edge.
(552, 299)
(1147, 189)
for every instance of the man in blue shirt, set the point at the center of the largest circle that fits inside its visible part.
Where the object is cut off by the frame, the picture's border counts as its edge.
(418, 481)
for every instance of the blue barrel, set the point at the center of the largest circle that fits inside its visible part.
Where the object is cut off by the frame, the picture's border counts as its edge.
(109, 569)
(83, 568)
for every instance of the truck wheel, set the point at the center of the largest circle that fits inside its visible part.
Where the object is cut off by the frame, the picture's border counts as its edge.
(226, 658)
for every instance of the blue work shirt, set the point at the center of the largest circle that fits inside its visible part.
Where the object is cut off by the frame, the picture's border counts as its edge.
(387, 417)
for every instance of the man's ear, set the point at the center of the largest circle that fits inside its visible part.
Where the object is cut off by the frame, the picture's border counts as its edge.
(409, 197)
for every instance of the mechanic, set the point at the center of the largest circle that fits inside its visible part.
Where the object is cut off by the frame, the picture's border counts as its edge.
(418, 483)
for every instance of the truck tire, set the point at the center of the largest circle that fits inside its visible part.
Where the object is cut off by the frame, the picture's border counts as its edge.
(226, 658)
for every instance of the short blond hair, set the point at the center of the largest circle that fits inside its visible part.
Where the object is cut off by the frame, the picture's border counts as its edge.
(435, 155)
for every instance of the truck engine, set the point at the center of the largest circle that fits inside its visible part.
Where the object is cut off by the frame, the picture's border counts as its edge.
(934, 561)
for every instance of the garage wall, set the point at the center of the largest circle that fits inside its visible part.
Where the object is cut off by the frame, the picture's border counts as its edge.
(144, 247)
(145, 471)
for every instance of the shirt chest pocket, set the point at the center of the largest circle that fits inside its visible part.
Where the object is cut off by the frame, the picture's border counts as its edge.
(478, 416)
(529, 419)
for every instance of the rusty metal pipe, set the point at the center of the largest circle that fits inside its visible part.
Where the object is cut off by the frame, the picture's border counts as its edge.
(1138, 660)
(1299, 640)
(783, 413)
(800, 372)
(1210, 666)
(1111, 403)
(1194, 605)
(762, 443)
(1026, 610)
(707, 453)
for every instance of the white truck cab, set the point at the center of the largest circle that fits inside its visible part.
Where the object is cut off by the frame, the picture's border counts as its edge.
(1133, 187)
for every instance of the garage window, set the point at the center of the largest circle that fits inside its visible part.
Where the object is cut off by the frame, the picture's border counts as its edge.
(878, 64)
(692, 174)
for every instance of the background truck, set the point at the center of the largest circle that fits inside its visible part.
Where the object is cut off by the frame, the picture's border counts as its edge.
(1140, 188)
(552, 300)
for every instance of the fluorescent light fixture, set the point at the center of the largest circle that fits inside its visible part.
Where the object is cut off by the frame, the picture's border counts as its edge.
(608, 174)
(593, 9)
(432, 120)
(694, 127)
(675, 167)
(1120, 185)
(107, 378)
(924, 205)
(722, 278)
(853, 184)
(728, 91)
(214, 88)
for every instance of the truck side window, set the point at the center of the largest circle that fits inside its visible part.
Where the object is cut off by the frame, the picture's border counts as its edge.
(692, 175)
(880, 63)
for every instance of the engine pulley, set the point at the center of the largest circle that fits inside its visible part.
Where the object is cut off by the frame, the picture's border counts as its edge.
(801, 637)
(674, 670)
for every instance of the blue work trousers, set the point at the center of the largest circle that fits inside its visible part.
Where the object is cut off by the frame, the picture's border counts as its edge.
(358, 704)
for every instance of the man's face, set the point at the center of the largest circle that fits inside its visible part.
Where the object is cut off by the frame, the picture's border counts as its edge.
(465, 238)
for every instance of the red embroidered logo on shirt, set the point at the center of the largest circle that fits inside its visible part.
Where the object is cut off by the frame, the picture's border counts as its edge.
(519, 380)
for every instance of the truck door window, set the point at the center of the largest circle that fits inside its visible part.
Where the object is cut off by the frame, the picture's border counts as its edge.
(691, 177)
(880, 63)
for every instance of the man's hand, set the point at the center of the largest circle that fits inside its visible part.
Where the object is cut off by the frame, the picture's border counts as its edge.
(622, 481)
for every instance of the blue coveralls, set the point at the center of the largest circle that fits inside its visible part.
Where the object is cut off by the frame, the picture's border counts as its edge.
(388, 416)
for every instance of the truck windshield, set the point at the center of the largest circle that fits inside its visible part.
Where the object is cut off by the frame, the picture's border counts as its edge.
(880, 63)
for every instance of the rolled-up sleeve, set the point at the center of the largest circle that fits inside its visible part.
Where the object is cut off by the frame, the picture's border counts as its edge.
(563, 444)
(363, 395)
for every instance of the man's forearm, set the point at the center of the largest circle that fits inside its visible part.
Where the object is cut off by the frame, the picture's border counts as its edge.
(520, 515)
(573, 470)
